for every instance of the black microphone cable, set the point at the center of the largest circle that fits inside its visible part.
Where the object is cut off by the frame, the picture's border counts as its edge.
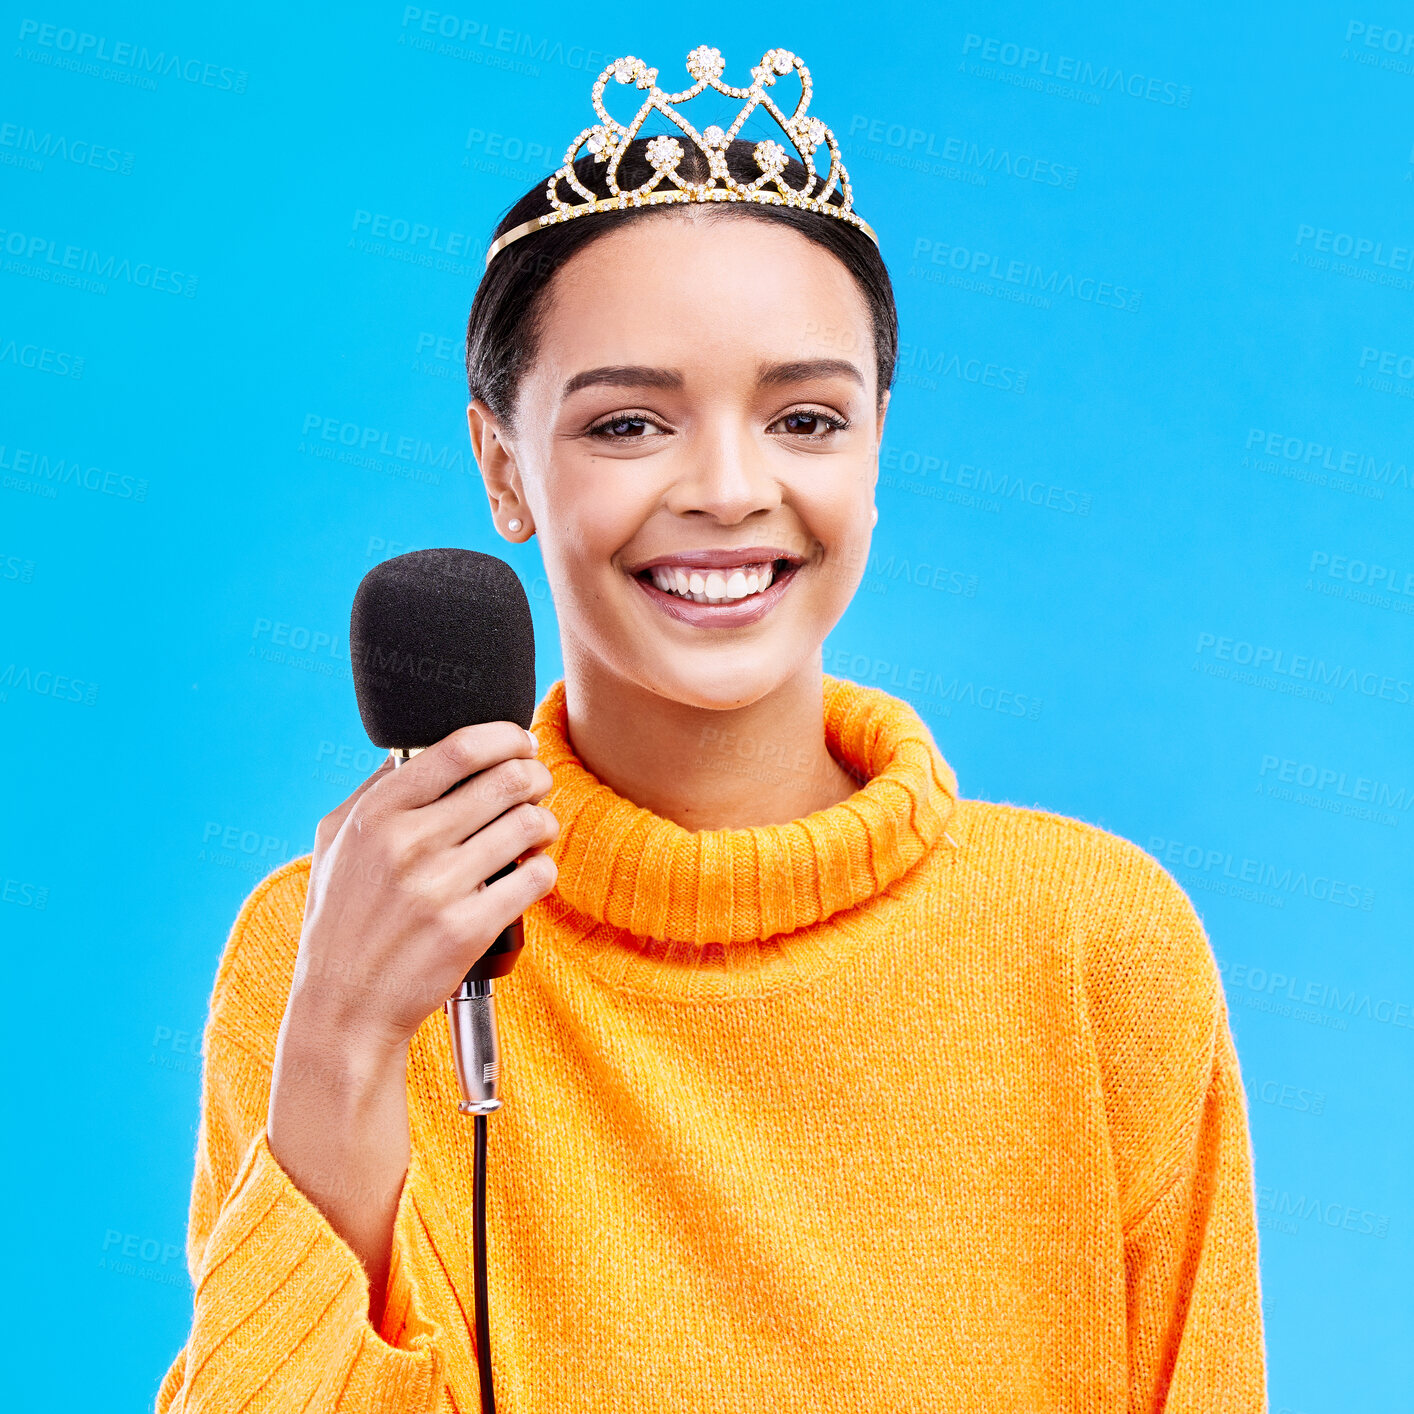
(476, 1053)
(478, 1238)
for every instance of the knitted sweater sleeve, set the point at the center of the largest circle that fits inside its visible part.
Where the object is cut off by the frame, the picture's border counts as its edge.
(1182, 1153)
(280, 1318)
(1195, 1314)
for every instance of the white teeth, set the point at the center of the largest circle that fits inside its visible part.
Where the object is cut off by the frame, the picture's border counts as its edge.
(712, 587)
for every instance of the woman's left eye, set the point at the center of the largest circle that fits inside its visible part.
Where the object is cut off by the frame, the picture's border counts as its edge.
(811, 424)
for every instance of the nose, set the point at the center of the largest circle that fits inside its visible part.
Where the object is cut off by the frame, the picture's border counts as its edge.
(725, 474)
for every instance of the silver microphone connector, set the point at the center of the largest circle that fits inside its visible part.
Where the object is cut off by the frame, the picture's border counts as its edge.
(476, 1052)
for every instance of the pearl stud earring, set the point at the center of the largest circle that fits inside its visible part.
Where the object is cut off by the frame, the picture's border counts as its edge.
(874, 516)
(513, 526)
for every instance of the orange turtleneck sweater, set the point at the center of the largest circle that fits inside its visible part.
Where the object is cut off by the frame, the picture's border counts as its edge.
(914, 1103)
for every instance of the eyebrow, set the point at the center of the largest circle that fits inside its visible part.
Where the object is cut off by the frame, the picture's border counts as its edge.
(632, 375)
(623, 375)
(771, 374)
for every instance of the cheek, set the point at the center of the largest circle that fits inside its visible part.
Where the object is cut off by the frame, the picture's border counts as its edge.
(588, 510)
(845, 529)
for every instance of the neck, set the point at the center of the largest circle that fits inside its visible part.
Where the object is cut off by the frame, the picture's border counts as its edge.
(765, 763)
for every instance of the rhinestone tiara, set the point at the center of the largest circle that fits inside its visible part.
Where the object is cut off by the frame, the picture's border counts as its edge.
(608, 138)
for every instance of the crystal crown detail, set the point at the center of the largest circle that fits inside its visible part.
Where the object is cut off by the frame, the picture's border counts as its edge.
(608, 139)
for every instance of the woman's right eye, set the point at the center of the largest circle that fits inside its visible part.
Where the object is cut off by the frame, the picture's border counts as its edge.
(623, 427)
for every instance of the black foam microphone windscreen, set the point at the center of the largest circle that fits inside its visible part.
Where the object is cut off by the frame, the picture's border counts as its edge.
(440, 639)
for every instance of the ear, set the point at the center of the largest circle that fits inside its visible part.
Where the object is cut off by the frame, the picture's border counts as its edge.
(883, 412)
(496, 458)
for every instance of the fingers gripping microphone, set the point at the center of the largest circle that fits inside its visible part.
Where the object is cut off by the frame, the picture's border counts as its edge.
(442, 639)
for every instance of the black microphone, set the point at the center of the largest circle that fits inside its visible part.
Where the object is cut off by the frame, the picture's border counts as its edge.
(440, 639)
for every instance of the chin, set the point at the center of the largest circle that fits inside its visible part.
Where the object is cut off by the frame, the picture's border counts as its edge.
(724, 685)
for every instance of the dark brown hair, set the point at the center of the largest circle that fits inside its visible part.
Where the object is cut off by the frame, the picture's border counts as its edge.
(504, 328)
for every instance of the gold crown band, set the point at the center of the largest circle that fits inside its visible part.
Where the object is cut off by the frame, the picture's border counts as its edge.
(537, 223)
(608, 140)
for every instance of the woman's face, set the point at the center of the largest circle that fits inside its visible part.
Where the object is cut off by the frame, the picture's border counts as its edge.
(696, 446)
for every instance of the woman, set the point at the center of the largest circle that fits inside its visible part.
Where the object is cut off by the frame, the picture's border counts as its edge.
(827, 1088)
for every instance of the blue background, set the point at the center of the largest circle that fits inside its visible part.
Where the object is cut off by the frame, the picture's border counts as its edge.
(1146, 489)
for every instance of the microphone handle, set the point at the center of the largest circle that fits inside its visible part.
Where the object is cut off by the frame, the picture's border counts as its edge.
(471, 1017)
(501, 956)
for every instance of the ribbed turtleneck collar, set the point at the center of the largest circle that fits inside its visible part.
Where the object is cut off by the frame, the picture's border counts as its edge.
(626, 867)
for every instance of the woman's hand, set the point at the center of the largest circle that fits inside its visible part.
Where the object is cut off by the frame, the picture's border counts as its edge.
(395, 916)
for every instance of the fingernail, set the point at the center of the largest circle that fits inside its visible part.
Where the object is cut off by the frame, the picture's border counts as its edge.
(534, 743)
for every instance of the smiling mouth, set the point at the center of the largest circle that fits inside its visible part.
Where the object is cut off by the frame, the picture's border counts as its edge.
(717, 586)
